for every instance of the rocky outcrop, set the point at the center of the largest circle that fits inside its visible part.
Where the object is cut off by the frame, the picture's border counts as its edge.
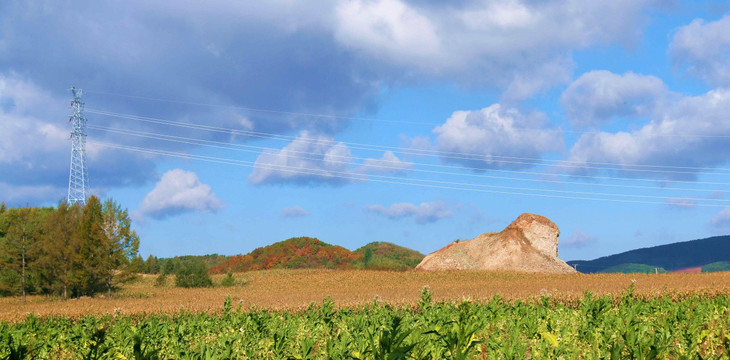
(529, 244)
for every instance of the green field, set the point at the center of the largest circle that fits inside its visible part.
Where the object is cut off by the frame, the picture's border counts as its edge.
(626, 327)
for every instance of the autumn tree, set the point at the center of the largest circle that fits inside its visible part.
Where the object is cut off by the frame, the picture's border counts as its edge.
(121, 243)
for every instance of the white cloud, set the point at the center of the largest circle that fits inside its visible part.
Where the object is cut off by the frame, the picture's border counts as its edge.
(690, 132)
(578, 239)
(515, 45)
(177, 192)
(495, 136)
(312, 159)
(293, 211)
(388, 164)
(598, 96)
(722, 220)
(681, 202)
(388, 29)
(426, 212)
(703, 49)
(306, 160)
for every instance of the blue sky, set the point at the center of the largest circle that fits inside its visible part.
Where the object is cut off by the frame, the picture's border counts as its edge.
(227, 126)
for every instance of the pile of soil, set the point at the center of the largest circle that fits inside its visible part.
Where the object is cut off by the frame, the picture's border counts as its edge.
(529, 244)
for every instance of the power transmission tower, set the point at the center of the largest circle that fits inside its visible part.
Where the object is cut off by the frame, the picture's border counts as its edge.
(78, 180)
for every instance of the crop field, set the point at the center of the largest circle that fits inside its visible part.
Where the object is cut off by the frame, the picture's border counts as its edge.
(297, 289)
(303, 314)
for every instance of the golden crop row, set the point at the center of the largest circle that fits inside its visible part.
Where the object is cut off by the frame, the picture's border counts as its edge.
(296, 289)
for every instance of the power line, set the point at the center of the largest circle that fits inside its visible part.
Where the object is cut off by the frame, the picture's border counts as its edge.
(417, 182)
(280, 112)
(330, 116)
(258, 149)
(442, 154)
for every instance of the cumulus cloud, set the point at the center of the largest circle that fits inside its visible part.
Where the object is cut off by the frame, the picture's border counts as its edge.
(578, 239)
(309, 159)
(389, 29)
(690, 133)
(388, 164)
(496, 137)
(426, 212)
(293, 211)
(598, 96)
(703, 50)
(177, 192)
(319, 159)
(514, 45)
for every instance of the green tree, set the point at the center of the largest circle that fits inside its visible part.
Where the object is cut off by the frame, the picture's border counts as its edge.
(136, 265)
(59, 253)
(152, 265)
(121, 244)
(368, 255)
(229, 280)
(192, 272)
(88, 274)
(19, 245)
(169, 265)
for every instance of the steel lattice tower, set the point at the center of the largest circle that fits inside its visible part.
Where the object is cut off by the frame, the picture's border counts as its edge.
(78, 180)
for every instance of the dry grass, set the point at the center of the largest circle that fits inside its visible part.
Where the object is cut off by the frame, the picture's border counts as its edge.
(296, 289)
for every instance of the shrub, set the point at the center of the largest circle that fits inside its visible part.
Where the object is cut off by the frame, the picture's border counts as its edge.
(161, 280)
(192, 273)
(229, 280)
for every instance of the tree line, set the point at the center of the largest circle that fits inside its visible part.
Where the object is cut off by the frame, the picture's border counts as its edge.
(68, 250)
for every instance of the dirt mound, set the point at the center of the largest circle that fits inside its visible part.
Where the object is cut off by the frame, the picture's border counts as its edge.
(529, 244)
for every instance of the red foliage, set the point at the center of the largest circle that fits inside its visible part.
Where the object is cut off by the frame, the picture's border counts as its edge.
(301, 252)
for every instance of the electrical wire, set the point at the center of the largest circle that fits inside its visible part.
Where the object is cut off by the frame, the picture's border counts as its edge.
(346, 160)
(425, 152)
(330, 116)
(564, 194)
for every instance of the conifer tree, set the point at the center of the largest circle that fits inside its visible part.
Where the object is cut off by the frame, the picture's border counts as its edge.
(88, 273)
(20, 243)
(152, 265)
(58, 256)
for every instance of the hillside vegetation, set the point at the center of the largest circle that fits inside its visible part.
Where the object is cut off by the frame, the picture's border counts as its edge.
(671, 257)
(634, 268)
(388, 256)
(716, 266)
(311, 253)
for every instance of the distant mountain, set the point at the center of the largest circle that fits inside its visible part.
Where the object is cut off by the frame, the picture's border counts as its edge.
(387, 256)
(671, 257)
(307, 252)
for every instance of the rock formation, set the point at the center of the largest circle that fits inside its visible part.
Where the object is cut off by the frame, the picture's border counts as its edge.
(529, 244)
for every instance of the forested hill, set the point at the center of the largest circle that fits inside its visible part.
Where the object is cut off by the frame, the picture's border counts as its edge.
(388, 256)
(671, 257)
(307, 252)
